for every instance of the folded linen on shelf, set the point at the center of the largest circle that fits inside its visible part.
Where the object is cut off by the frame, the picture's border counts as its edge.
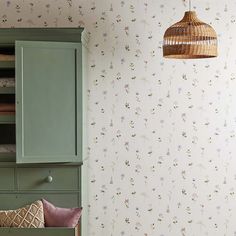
(7, 113)
(7, 82)
(7, 57)
(5, 107)
(6, 148)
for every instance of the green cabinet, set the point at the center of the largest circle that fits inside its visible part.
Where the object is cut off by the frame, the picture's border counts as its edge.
(48, 102)
(41, 128)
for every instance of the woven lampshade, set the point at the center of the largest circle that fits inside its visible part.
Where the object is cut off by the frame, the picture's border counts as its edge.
(190, 38)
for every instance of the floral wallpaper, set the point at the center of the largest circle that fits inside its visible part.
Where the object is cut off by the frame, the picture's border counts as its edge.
(161, 133)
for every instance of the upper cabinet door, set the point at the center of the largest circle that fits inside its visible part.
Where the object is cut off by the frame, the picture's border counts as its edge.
(49, 102)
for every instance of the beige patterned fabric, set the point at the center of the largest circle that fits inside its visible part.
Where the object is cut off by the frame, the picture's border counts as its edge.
(30, 216)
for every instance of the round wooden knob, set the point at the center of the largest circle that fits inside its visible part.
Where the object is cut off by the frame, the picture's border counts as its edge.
(49, 179)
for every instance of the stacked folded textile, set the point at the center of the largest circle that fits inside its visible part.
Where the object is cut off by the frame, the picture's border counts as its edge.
(7, 82)
(7, 57)
(7, 108)
(6, 148)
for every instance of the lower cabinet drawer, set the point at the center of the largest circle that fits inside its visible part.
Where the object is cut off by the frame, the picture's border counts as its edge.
(7, 179)
(46, 178)
(14, 201)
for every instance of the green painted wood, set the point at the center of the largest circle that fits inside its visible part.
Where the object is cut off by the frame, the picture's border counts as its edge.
(7, 157)
(34, 179)
(10, 35)
(38, 232)
(29, 165)
(49, 103)
(84, 172)
(16, 187)
(7, 90)
(14, 200)
(7, 119)
(7, 64)
(7, 181)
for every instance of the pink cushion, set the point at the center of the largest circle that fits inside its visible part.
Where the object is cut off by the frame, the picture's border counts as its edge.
(60, 217)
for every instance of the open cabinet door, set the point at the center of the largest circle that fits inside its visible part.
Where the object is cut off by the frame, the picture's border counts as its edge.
(48, 102)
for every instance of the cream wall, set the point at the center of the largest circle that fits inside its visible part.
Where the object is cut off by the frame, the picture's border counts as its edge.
(161, 133)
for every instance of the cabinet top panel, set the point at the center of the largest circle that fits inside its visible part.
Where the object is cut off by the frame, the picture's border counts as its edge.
(10, 35)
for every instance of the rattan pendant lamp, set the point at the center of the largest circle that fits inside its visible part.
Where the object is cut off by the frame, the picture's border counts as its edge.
(190, 38)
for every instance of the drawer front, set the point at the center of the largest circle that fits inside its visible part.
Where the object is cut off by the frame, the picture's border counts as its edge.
(7, 179)
(14, 201)
(46, 178)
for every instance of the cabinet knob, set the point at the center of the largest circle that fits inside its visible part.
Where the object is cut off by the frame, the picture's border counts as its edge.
(49, 179)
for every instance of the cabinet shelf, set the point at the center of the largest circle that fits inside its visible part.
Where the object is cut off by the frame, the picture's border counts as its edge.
(7, 90)
(7, 119)
(39, 231)
(7, 64)
(7, 156)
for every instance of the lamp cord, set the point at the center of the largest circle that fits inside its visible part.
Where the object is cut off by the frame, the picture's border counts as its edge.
(190, 5)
